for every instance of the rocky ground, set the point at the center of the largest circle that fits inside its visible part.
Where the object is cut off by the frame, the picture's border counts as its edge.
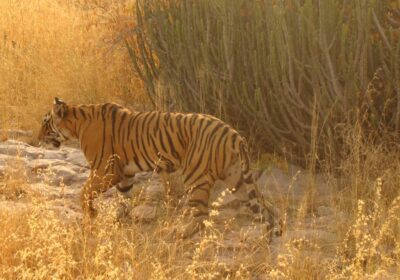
(59, 175)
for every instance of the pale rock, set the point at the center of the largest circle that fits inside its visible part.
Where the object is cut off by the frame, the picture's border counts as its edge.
(144, 212)
(16, 133)
(14, 143)
(154, 192)
(5, 158)
(13, 166)
(53, 154)
(75, 156)
(20, 149)
(11, 149)
(9, 160)
(77, 168)
(294, 185)
(63, 174)
(45, 190)
(317, 235)
(81, 177)
(38, 164)
(32, 152)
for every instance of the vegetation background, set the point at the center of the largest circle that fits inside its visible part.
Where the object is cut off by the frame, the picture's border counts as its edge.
(292, 74)
(65, 49)
(314, 82)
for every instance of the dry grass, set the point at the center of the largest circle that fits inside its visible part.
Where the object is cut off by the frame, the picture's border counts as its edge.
(37, 243)
(58, 48)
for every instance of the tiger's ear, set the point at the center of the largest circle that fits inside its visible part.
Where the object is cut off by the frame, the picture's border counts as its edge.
(59, 108)
(58, 101)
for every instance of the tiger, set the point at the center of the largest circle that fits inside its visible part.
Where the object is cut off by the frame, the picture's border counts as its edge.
(118, 143)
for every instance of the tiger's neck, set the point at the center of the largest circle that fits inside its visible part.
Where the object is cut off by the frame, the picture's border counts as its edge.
(77, 119)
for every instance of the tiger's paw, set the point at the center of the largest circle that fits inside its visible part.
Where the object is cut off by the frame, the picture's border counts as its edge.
(90, 213)
(124, 213)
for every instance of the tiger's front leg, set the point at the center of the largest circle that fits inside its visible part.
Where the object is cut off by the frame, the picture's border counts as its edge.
(92, 188)
(88, 193)
(125, 187)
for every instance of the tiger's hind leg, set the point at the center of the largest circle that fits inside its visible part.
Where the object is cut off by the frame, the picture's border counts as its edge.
(248, 194)
(196, 208)
(262, 211)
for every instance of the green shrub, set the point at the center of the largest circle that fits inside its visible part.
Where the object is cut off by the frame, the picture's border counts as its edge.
(288, 74)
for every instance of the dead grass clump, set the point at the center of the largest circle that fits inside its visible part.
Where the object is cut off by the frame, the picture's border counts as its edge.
(371, 247)
(13, 180)
(370, 199)
(362, 167)
(60, 48)
(40, 244)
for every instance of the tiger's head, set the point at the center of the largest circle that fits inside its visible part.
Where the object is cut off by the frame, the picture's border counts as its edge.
(52, 133)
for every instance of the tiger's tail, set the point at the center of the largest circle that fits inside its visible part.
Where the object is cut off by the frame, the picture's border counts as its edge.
(257, 203)
(248, 176)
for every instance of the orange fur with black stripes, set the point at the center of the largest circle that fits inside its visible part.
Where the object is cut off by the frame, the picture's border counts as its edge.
(118, 143)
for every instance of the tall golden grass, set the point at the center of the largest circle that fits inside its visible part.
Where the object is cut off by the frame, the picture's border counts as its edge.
(60, 48)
